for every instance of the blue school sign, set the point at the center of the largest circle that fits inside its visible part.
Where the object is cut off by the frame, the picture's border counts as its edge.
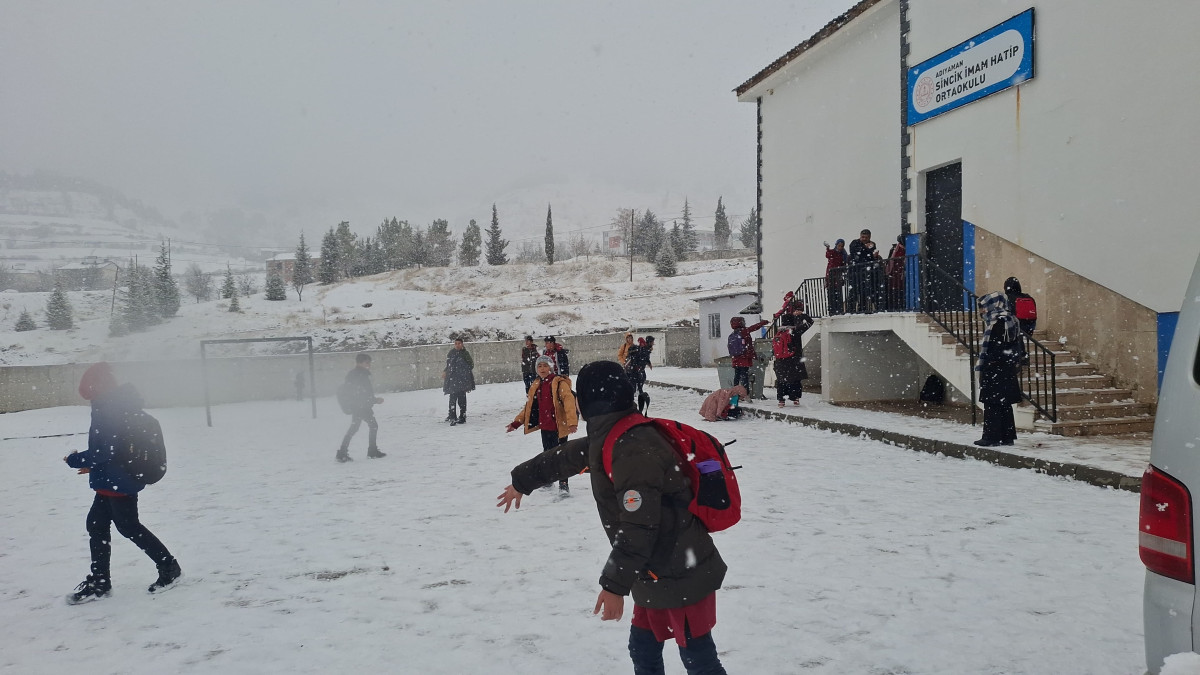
(992, 61)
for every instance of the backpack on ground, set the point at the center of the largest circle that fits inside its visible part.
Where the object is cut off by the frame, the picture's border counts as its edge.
(143, 451)
(737, 346)
(781, 345)
(716, 499)
(934, 390)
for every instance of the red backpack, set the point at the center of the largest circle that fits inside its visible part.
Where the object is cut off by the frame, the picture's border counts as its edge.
(781, 345)
(1026, 309)
(716, 499)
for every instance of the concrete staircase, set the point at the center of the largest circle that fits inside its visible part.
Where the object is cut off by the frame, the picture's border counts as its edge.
(1089, 403)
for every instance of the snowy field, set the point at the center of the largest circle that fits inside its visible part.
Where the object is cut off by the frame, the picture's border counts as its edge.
(853, 557)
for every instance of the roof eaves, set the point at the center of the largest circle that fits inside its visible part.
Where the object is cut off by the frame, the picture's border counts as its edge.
(829, 29)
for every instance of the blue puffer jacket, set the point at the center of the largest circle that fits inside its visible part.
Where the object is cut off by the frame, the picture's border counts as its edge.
(108, 422)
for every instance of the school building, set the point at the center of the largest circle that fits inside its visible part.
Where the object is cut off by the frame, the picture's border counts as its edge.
(1051, 142)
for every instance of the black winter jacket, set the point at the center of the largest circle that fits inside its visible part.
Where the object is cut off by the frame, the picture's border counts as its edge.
(660, 551)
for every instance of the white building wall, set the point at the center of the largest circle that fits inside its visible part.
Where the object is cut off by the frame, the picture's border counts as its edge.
(831, 149)
(1090, 164)
(712, 348)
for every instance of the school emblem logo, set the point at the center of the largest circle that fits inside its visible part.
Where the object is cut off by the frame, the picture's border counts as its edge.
(632, 500)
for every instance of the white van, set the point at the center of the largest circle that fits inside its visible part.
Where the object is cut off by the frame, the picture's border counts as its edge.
(1166, 528)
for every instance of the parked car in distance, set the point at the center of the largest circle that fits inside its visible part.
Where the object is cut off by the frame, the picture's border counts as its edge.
(1166, 531)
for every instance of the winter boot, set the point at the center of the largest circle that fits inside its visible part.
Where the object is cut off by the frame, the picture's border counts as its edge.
(374, 453)
(462, 419)
(167, 574)
(91, 588)
(343, 457)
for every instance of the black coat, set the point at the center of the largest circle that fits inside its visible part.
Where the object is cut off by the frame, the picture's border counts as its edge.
(459, 375)
(660, 551)
(1000, 369)
(362, 391)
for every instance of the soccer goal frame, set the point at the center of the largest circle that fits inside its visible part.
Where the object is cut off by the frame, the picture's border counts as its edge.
(312, 385)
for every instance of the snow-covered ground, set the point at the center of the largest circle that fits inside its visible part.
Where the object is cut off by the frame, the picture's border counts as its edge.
(853, 557)
(390, 310)
(1123, 454)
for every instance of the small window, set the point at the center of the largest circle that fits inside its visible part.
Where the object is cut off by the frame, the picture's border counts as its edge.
(714, 325)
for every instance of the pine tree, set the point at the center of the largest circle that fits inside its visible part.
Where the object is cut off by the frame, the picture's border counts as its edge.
(347, 243)
(748, 233)
(439, 244)
(469, 249)
(664, 264)
(117, 326)
(58, 310)
(228, 287)
(688, 241)
(302, 271)
(331, 258)
(275, 288)
(648, 236)
(139, 311)
(25, 322)
(496, 245)
(234, 305)
(166, 291)
(676, 240)
(549, 236)
(721, 230)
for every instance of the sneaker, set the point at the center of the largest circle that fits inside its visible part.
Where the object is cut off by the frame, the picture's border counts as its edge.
(563, 487)
(781, 404)
(167, 575)
(343, 457)
(375, 453)
(462, 419)
(91, 588)
(796, 402)
(452, 419)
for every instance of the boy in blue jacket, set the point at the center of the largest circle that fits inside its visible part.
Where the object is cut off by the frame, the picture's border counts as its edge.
(116, 491)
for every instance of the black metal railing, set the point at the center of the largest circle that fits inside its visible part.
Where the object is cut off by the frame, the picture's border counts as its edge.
(956, 312)
(917, 285)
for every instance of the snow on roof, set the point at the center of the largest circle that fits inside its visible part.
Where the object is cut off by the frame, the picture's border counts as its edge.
(732, 293)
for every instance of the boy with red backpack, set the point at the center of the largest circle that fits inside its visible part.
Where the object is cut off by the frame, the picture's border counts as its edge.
(1021, 305)
(790, 371)
(662, 553)
(741, 350)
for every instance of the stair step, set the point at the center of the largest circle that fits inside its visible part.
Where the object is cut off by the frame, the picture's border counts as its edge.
(1099, 411)
(1073, 369)
(1071, 382)
(1104, 427)
(1086, 396)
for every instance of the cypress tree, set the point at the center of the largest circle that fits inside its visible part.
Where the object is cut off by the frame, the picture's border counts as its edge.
(549, 236)
(687, 242)
(721, 230)
(496, 245)
(58, 310)
(25, 322)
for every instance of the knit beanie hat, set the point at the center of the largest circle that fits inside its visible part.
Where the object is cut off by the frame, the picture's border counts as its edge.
(544, 359)
(96, 380)
(602, 387)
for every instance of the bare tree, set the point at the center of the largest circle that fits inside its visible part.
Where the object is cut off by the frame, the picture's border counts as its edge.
(198, 284)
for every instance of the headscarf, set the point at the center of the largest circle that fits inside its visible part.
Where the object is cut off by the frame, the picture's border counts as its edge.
(995, 308)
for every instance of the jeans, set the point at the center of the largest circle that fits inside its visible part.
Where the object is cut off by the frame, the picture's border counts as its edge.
(123, 513)
(528, 378)
(999, 424)
(699, 657)
(355, 422)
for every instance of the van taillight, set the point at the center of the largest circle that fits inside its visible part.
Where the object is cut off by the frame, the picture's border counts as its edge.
(1165, 526)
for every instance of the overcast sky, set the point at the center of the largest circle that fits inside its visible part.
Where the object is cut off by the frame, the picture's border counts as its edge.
(363, 110)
